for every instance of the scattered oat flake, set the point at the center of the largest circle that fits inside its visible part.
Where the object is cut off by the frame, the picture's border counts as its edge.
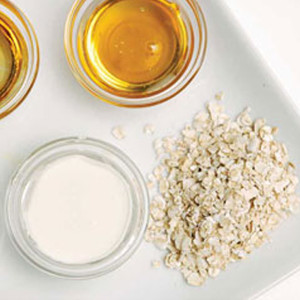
(156, 264)
(150, 185)
(158, 147)
(224, 185)
(219, 95)
(149, 129)
(119, 133)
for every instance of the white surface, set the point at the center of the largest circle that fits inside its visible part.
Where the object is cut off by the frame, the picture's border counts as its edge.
(78, 209)
(59, 107)
(273, 26)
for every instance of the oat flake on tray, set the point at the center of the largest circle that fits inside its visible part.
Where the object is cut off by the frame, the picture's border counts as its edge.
(223, 186)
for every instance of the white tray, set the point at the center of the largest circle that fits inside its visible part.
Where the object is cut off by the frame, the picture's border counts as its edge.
(59, 107)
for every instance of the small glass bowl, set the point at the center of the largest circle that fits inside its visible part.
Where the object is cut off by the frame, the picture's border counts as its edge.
(24, 177)
(195, 24)
(20, 92)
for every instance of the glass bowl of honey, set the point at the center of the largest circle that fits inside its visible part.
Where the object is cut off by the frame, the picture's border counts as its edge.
(135, 53)
(19, 57)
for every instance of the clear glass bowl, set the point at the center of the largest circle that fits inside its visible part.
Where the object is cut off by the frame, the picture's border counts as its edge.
(19, 93)
(24, 177)
(195, 24)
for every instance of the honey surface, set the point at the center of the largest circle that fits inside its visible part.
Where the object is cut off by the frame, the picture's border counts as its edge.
(131, 43)
(13, 59)
(6, 61)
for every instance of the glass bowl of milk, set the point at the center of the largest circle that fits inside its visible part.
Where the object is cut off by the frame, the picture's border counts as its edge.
(77, 208)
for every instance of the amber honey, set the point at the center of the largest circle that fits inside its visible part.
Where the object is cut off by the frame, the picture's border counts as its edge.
(133, 45)
(13, 59)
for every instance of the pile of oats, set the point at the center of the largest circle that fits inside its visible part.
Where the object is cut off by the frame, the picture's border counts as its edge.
(223, 185)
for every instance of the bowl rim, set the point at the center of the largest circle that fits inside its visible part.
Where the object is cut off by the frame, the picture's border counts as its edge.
(33, 69)
(166, 93)
(37, 258)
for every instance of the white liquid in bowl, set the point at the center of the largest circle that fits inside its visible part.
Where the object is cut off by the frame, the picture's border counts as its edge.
(78, 209)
